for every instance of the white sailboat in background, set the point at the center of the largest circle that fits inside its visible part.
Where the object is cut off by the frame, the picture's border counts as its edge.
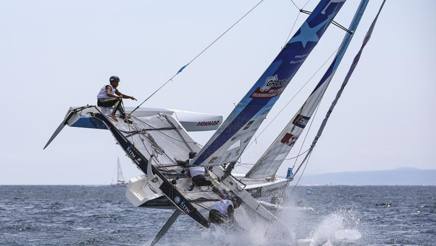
(121, 181)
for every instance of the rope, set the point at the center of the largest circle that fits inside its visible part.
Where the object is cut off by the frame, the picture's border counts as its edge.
(294, 23)
(292, 28)
(295, 5)
(307, 2)
(301, 176)
(162, 133)
(198, 55)
(305, 137)
(150, 153)
(287, 159)
(295, 157)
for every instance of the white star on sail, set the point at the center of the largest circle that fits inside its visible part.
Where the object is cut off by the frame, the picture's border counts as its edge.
(308, 34)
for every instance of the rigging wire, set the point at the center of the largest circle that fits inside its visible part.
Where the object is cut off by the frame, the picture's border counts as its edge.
(173, 138)
(294, 4)
(297, 7)
(302, 10)
(151, 152)
(306, 160)
(339, 93)
(294, 157)
(287, 159)
(307, 157)
(198, 55)
(305, 137)
(302, 172)
(294, 23)
(292, 28)
(307, 2)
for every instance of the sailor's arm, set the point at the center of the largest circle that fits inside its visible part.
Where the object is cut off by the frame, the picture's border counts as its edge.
(123, 95)
(109, 91)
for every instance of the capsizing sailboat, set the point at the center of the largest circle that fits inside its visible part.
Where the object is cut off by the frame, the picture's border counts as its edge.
(158, 140)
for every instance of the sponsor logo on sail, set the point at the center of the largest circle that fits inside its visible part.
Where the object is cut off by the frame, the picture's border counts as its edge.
(273, 87)
(288, 139)
(301, 121)
(208, 123)
(177, 199)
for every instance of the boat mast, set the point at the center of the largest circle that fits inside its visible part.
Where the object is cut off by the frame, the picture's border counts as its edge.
(272, 159)
(233, 136)
(341, 90)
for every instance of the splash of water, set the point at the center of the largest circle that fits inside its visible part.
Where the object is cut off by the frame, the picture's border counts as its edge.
(336, 228)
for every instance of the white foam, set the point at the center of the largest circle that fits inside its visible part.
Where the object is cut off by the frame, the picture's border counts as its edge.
(337, 227)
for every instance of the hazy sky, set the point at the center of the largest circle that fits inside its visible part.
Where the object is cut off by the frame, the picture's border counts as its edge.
(57, 54)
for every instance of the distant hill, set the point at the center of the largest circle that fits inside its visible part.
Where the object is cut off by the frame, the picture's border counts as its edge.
(401, 176)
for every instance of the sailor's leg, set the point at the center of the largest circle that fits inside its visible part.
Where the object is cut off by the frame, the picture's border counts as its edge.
(216, 217)
(116, 106)
(106, 105)
(119, 107)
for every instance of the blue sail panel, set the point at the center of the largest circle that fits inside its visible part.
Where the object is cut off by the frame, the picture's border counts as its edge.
(275, 155)
(229, 141)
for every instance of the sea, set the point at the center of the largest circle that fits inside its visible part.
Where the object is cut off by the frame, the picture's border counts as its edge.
(311, 215)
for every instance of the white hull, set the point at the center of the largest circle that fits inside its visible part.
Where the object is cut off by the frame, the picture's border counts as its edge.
(140, 195)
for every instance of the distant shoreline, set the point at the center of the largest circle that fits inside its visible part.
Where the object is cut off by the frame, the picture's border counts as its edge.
(393, 177)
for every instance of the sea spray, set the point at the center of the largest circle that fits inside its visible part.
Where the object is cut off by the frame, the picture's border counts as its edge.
(252, 230)
(338, 227)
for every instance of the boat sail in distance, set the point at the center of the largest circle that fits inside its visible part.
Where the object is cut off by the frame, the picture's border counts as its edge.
(120, 177)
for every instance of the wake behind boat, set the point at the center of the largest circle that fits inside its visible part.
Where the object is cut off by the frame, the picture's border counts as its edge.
(159, 144)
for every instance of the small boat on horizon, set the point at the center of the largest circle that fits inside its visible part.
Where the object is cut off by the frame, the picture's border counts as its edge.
(121, 181)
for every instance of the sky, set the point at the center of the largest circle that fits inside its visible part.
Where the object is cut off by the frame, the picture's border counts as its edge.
(58, 54)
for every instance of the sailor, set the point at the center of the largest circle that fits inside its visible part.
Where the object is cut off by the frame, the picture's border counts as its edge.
(223, 211)
(198, 176)
(197, 173)
(110, 97)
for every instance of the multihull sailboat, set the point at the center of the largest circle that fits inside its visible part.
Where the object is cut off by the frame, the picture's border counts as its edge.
(159, 144)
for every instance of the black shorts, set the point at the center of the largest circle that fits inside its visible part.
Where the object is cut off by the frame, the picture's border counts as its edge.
(116, 103)
(200, 180)
(107, 102)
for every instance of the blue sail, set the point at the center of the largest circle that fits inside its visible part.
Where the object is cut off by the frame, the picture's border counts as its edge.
(272, 159)
(229, 141)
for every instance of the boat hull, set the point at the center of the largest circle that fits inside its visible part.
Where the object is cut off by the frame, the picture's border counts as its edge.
(140, 195)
